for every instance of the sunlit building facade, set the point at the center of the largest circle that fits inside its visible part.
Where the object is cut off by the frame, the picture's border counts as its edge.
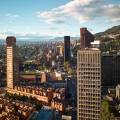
(85, 38)
(12, 63)
(88, 84)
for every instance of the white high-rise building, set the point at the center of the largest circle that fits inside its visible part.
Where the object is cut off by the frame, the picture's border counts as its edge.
(12, 66)
(88, 84)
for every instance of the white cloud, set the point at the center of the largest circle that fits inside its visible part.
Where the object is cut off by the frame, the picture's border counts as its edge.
(112, 12)
(3, 35)
(12, 15)
(81, 11)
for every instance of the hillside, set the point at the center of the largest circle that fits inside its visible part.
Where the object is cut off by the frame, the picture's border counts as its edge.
(110, 39)
(111, 33)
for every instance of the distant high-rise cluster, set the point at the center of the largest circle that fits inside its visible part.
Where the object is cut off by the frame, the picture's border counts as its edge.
(12, 66)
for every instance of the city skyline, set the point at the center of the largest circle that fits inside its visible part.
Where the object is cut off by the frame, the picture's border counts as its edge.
(52, 19)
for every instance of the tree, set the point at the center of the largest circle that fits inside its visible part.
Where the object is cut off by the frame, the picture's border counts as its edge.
(105, 112)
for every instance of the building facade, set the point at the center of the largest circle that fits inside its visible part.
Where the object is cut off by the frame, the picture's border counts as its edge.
(118, 91)
(85, 38)
(88, 84)
(110, 67)
(12, 63)
(67, 53)
(60, 50)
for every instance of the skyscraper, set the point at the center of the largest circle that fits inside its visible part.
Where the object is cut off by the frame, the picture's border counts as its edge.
(88, 84)
(67, 48)
(85, 38)
(110, 67)
(12, 66)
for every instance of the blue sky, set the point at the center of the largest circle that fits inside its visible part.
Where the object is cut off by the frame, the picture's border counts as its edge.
(57, 17)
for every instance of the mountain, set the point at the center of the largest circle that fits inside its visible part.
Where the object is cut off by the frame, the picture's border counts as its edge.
(110, 39)
(37, 39)
(62, 38)
(111, 33)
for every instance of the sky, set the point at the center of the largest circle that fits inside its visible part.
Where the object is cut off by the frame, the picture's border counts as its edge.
(29, 18)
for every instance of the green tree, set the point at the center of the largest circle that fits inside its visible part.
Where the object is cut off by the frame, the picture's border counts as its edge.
(105, 110)
(67, 66)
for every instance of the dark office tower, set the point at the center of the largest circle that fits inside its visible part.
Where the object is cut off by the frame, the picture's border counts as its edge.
(12, 63)
(110, 70)
(85, 38)
(88, 84)
(67, 48)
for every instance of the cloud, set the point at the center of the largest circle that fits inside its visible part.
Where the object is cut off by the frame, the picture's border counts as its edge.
(3, 36)
(112, 12)
(81, 11)
(12, 15)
